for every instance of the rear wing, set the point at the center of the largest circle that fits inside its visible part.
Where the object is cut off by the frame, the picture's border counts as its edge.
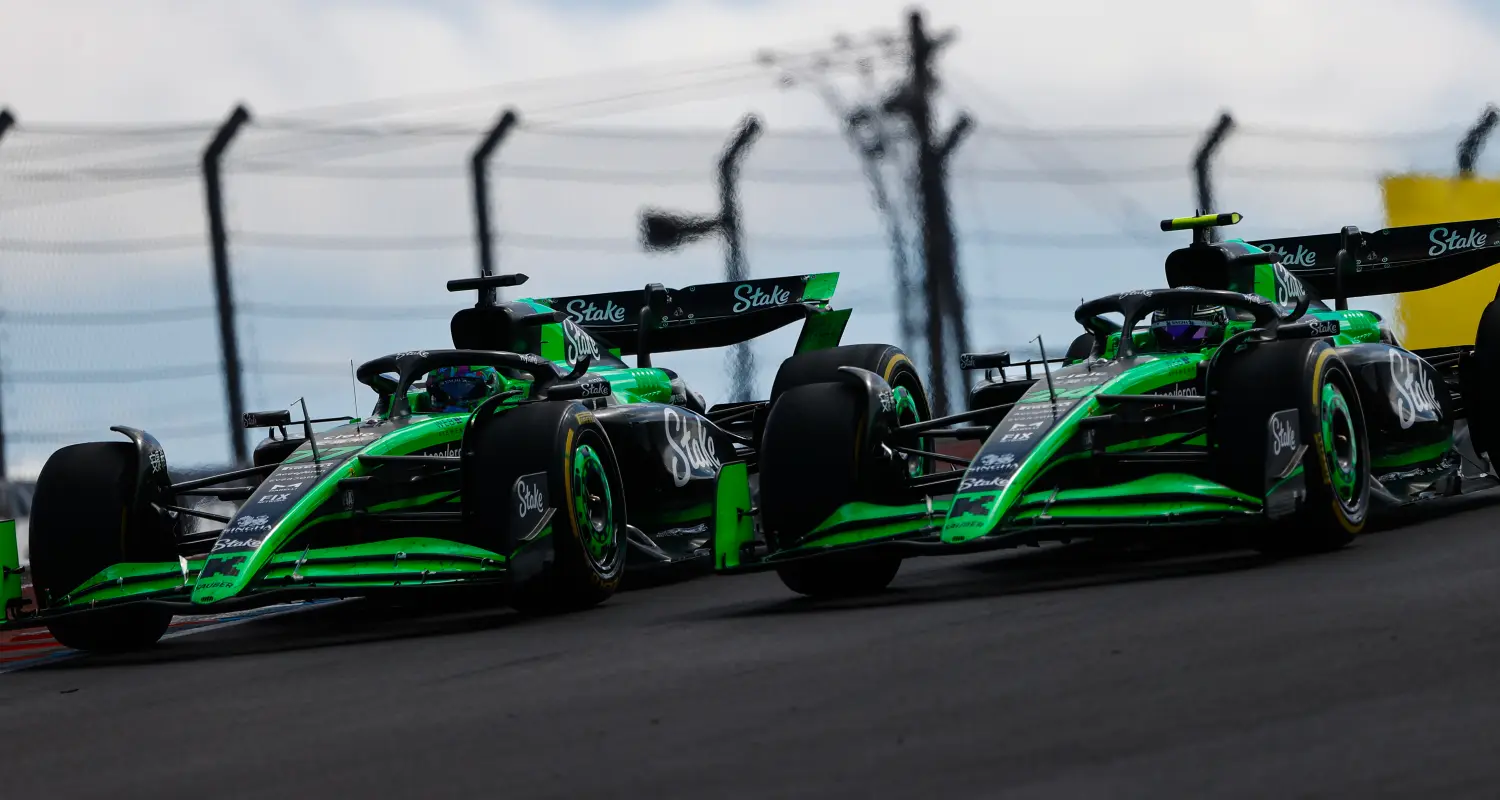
(702, 316)
(1353, 263)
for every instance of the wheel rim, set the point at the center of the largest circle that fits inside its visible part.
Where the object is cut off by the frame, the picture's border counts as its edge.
(907, 413)
(593, 508)
(1340, 446)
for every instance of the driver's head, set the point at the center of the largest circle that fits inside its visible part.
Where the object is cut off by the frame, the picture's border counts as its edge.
(451, 389)
(1179, 329)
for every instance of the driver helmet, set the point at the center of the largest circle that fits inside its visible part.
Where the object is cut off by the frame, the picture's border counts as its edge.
(461, 389)
(1179, 329)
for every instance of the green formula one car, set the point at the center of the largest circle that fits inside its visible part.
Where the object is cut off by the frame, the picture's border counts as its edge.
(1235, 395)
(530, 461)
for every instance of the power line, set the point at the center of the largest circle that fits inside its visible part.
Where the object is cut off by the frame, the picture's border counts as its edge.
(542, 242)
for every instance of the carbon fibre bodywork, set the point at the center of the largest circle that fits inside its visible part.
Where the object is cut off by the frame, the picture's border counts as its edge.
(390, 502)
(1116, 442)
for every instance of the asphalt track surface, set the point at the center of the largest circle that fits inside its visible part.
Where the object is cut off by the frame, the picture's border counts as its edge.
(1075, 672)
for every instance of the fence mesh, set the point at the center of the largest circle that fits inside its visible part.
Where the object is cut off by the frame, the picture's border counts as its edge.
(341, 239)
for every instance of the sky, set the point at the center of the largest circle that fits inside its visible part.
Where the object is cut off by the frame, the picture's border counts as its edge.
(1053, 200)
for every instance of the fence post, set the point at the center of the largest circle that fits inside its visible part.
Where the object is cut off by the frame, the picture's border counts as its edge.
(1473, 141)
(1202, 162)
(7, 120)
(479, 165)
(661, 230)
(218, 241)
(742, 358)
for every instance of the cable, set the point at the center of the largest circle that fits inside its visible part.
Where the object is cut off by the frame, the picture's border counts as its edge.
(152, 244)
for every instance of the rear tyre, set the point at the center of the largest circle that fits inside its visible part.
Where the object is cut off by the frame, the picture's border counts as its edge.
(565, 443)
(1481, 386)
(1309, 376)
(83, 521)
(812, 462)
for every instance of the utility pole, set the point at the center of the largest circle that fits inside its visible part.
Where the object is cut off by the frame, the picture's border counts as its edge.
(867, 134)
(7, 120)
(663, 230)
(913, 101)
(742, 358)
(479, 167)
(1203, 161)
(1473, 141)
(218, 240)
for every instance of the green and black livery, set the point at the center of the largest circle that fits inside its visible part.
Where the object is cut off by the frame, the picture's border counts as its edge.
(582, 468)
(1301, 421)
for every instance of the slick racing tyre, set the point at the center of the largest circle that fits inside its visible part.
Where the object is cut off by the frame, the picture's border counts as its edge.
(82, 521)
(812, 462)
(887, 361)
(562, 446)
(1309, 376)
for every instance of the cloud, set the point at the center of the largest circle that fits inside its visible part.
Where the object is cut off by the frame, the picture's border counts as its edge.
(1368, 66)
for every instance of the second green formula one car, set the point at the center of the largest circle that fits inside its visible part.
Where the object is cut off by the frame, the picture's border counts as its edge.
(1235, 395)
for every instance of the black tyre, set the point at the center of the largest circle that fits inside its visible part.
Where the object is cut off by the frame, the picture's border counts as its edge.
(811, 462)
(887, 361)
(564, 442)
(83, 520)
(1080, 348)
(1481, 386)
(1310, 377)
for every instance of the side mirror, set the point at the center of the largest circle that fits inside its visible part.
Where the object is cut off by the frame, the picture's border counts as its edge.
(997, 360)
(266, 419)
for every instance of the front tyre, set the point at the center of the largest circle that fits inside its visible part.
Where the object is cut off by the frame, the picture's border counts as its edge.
(83, 521)
(812, 462)
(583, 560)
(1310, 377)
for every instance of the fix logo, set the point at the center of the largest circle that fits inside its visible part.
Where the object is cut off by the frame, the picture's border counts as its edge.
(748, 296)
(158, 460)
(1445, 241)
(228, 566)
(971, 506)
(691, 448)
(586, 311)
(887, 401)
